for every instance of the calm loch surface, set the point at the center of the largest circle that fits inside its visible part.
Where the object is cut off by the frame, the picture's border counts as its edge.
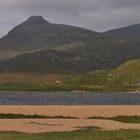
(68, 98)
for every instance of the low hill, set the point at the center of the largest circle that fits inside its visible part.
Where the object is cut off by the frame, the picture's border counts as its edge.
(124, 77)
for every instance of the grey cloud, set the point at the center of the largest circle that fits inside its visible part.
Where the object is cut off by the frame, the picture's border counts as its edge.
(99, 15)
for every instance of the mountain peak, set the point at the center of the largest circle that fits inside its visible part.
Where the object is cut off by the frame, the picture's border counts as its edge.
(35, 20)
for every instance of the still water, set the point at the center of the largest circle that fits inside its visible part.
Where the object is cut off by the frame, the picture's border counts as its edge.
(68, 98)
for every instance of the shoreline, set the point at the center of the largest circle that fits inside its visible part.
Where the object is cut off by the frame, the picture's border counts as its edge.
(80, 111)
(80, 92)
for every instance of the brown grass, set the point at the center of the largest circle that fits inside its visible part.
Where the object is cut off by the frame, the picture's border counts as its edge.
(32, 77)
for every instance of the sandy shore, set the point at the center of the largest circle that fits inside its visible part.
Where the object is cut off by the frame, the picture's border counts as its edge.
(59, 125)
(73, 111)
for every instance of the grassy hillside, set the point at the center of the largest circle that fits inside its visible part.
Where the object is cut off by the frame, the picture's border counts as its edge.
(123, 78)
(126, 75)
(34, 81)
(33, 77)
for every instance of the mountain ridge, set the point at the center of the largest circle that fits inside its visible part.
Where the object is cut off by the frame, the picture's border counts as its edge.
(37, 45)
(40, 30)
(128, 31)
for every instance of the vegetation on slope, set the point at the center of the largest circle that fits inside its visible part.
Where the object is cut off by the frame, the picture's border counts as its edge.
(124, 119)
(35, 116)
(86, 134)
(123, 78)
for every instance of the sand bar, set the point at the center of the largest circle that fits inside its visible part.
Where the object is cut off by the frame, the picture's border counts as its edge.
(73, 111)
(61, 125)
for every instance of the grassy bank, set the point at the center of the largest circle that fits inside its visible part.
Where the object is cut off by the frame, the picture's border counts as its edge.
(35, 116)
(124, 119)
(61, 87)
(87, 134)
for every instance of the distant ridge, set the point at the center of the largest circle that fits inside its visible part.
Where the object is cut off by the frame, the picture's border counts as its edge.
(129, 31)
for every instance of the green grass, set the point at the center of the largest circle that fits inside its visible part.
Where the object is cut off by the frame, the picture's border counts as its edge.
(124, 119)
(126, 77)
(86, 134)
(20, 116)
(47, 87)
(35, 116)
(45, 124)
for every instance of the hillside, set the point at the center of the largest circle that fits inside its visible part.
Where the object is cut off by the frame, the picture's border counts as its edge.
(130, 31)
(77, 60)
(36, 34)
(124, 77)
(127, 74)
(37, 45)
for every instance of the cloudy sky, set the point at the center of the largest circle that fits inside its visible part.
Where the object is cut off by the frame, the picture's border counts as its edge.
(98, 15)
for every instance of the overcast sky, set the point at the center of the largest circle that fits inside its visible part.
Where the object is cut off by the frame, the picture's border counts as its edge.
(98, 15)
